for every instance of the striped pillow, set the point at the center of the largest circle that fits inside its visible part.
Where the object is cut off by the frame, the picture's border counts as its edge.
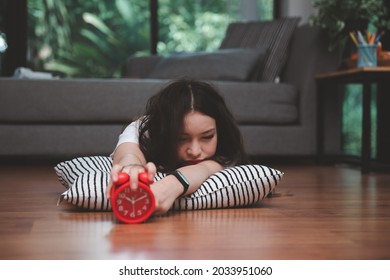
(86, 179)
(273, 35)
(68, 171)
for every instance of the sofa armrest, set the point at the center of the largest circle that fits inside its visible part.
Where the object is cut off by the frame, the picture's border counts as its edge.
(140, 66)
(309, 56)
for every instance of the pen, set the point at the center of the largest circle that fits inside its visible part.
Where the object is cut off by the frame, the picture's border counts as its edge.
(361, 38)
(378, 37)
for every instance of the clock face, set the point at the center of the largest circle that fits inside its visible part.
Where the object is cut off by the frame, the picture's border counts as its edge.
(133, 206)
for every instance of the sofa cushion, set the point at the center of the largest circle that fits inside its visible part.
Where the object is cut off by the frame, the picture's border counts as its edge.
(69, 101)
(227, 64)
(261, 102)
(274, 35)
(83, 102)
(86, 179)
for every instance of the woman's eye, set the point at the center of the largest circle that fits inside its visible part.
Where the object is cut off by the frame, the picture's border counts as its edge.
(208, 137)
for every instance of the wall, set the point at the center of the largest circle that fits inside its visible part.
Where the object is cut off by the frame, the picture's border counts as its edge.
(301, 8)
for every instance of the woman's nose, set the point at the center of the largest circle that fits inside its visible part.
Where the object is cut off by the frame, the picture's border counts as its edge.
(194, 150)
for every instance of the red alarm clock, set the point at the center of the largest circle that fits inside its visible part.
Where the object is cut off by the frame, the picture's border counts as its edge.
(132, 206)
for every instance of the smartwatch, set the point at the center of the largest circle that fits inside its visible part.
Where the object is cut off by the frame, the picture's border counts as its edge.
(183, 180)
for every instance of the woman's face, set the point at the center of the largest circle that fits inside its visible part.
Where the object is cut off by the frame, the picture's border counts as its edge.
(199, 139)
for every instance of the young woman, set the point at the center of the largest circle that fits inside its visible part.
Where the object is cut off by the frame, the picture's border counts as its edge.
(187, 132)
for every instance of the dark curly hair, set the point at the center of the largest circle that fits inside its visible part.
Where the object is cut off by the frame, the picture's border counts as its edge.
(163, 123)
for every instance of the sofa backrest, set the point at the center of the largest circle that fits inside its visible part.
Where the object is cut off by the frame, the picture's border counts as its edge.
(308, 55)
(274, 35)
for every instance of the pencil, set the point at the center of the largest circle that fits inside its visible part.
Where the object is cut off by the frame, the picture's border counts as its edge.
(370, 37)
(353, 38)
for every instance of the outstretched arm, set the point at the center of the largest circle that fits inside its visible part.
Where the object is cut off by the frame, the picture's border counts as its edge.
(168, 189)
(129, 158)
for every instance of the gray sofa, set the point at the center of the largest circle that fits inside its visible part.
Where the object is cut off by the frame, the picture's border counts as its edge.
(65, 118)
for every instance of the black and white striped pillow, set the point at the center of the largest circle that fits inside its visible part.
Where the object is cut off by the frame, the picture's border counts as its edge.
(68, 171)
(86, 179)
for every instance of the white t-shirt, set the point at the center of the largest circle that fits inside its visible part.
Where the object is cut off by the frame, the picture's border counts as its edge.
(130, 134)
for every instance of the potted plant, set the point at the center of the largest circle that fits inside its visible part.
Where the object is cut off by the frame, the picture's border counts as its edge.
(339, 17)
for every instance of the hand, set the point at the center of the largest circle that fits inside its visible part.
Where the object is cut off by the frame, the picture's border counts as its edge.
(165, 193)
(130, 199)
(133, 170)
(140, 198)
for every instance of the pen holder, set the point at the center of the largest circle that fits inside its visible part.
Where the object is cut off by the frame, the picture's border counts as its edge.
(367, 56)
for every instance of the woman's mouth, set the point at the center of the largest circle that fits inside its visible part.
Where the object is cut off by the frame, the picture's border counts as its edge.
(192, 162)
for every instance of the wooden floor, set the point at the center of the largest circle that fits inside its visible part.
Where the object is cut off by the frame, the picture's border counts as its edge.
(320, 213)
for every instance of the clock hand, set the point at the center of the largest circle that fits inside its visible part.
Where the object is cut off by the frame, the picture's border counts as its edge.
(130, 199)
(133, 201)
(140, 198)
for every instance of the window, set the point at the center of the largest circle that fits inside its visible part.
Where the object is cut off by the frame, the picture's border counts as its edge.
(86, 38)
(76, 38)
(352, 121)
(201, 25)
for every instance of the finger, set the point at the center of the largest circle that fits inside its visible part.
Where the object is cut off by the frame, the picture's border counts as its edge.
(152, 170)
(134, 177)
(127, 169)
(159, 212)
(116, 168)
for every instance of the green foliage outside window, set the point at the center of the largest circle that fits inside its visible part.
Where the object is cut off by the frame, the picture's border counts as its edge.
(352, 121)
(86, 38)
(76, 38)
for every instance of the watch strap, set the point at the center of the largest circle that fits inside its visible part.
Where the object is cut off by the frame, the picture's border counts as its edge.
(183, 180)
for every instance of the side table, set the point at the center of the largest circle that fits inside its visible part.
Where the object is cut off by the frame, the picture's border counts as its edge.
(365, 76)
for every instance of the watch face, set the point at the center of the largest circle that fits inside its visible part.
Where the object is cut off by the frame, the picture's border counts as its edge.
(133, 206)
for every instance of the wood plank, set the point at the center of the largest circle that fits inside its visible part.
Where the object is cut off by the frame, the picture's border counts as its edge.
(319, 212)
(353, 71)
